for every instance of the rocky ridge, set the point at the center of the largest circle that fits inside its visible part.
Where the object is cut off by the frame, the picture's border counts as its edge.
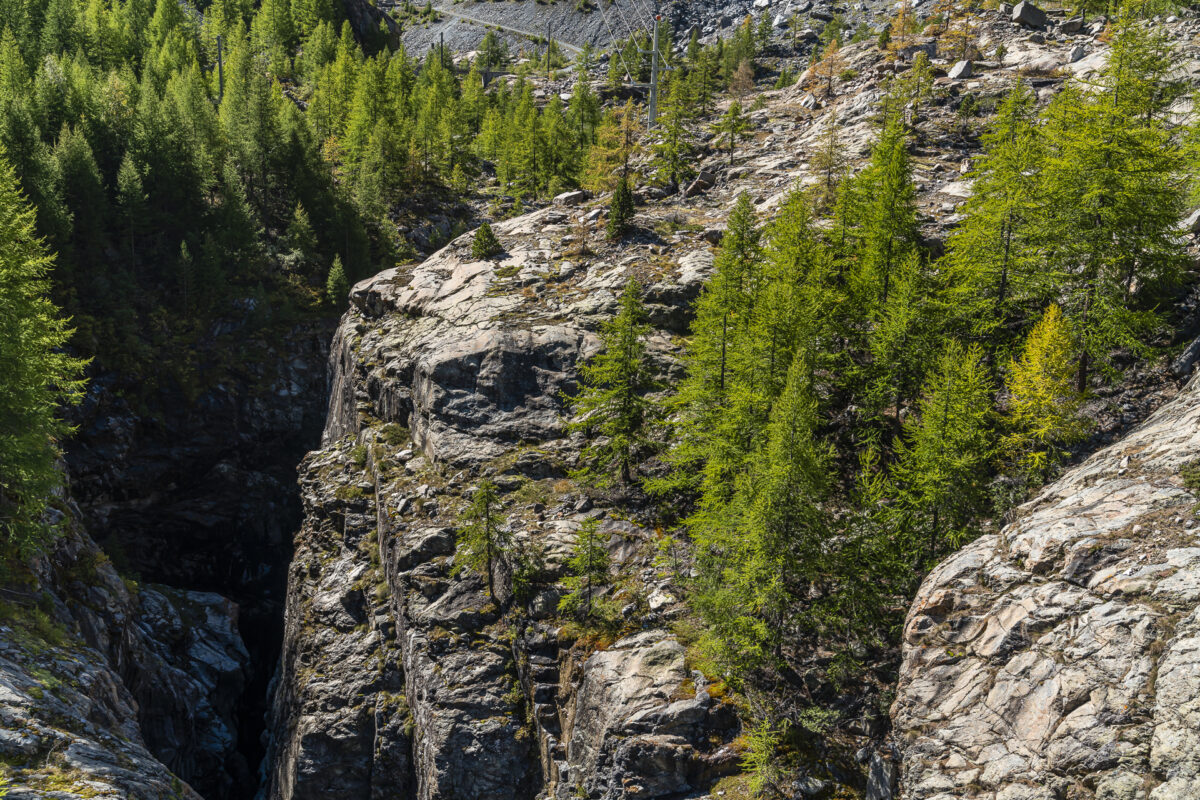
(400, 669)
(1057, 658)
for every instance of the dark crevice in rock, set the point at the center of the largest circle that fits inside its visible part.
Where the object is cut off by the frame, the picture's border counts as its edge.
(199, 494)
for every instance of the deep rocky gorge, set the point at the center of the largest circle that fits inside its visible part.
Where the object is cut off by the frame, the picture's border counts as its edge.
(1051, 660)
(111, 690)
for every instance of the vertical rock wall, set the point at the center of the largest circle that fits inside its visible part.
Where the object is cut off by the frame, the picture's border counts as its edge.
(401, 676)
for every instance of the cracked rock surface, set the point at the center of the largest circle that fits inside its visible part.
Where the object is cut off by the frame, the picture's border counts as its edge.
(1061, 657)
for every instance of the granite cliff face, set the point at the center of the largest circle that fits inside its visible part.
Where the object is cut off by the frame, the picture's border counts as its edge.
(1060, 658)
(400, 676)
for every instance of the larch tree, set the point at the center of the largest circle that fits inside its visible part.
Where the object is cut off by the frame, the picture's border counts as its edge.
(589, 564)
(36, 376)
(1113, 183)
(731, 127)
(612, 405)
(829, 163)
(673, 148)
(831, 65)
(337, 286)
(994, 256)
(620, 210)
(947, 446)
(889, 230)
(1044, 406)
(483, 538)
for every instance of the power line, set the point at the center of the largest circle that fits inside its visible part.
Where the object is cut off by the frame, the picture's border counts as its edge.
(620, 51)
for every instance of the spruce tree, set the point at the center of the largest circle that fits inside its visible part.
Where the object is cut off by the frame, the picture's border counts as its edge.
(620, 211)
(612, 404)
(484, 244)
(483, 539)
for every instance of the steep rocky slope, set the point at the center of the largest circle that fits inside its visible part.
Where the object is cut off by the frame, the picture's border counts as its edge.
(113, 690)
(401, 677)
(1058, 658)
(399, 673)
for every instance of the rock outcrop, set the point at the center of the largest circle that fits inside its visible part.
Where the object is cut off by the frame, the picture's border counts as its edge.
(113, 690)
(1058, 658)
(399, 669)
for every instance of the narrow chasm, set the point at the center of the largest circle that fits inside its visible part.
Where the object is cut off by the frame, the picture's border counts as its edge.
(198, 495)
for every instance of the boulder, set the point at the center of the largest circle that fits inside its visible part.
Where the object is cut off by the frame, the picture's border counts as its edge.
(961, 71)
(703, 182)
(1071, 26)
(570, 198)
(1191, 223)
(1029, 15)
(626, 729)
(1181, 367)
(1077, 53)
(928, 46)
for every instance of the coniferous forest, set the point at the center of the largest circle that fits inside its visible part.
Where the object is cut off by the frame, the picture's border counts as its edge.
(852, 400)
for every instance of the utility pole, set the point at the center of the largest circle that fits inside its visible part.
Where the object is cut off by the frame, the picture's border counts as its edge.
(652, 109)
(220, 69)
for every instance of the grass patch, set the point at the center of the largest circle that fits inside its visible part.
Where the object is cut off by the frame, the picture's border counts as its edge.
(508, 272)
(350, 492)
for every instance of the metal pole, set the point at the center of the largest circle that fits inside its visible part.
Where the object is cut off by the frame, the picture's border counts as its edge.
(653, 111)
(220, 69)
